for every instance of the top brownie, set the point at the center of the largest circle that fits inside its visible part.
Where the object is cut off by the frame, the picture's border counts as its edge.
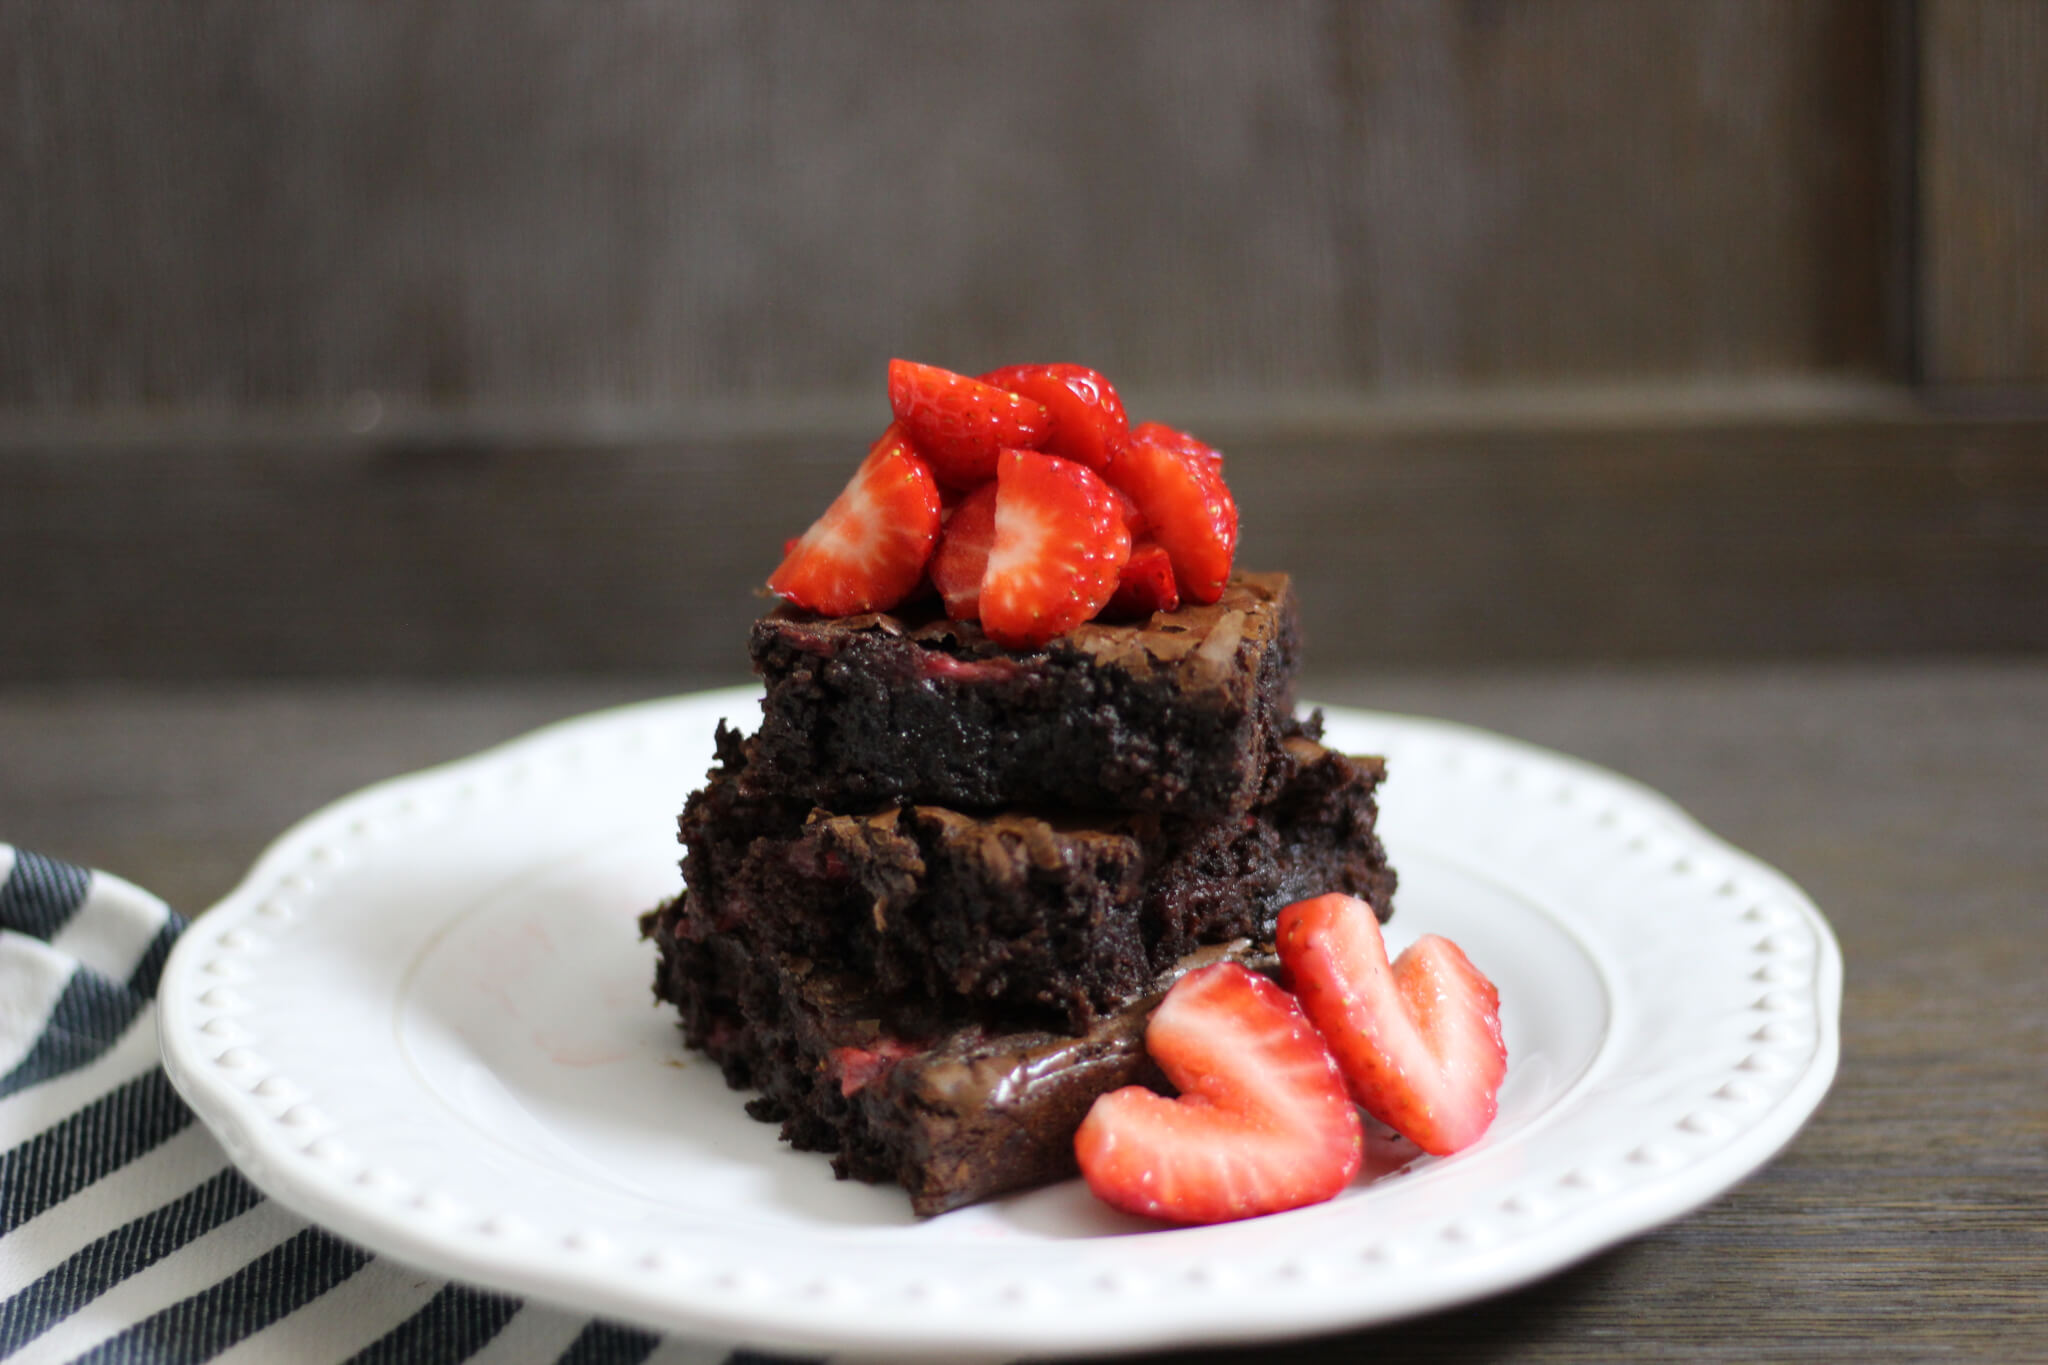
(1182, 713)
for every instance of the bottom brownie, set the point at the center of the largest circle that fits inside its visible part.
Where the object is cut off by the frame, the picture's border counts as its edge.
(953, 1111)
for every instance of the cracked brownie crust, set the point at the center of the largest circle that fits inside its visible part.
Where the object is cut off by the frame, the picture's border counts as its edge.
(1181, 714)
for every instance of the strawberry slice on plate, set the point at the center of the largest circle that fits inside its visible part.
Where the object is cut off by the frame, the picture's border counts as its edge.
(1418, 1039)
(958, 424)
(868, 552)
(1145, 585)
(1058, 549)
(1262, 1123)
(1088, 420)
(962, 557)
(1186, 505)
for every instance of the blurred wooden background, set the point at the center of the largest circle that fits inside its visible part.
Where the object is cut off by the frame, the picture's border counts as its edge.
(468, 339)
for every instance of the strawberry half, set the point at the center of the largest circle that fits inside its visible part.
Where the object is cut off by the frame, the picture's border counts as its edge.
(1134, 520)
(1145, 585)
(1059, 545)
(961, 560)
(1262, 1123)
(1161, 434)
(868, 552)
(1418, 1040)
(1088, 421)
(959, 424)
(1187, 507)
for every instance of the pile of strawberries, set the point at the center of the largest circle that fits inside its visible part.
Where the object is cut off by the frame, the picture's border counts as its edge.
(1265, 1119)
(1026, 500)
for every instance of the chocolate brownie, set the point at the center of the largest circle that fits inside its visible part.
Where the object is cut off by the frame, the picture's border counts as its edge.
(1053, 916)
(952, 1110)
(1182, 714)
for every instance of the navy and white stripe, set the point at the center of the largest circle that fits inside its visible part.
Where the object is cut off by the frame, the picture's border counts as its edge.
(125, 1236)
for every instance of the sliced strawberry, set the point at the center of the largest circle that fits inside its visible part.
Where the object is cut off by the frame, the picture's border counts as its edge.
(1134, 519)
(959, 424)
(1262, 1123)
(868, 552)
(1161, 434)
(1419, 1040)
(1088, 421)
(1145, 585)
(1059, 545)
(962, 557)
(1188, 508)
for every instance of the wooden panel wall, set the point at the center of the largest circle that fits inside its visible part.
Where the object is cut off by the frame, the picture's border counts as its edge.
(219, 204)
(1617, 540)
(1985, 176)
(451, 338)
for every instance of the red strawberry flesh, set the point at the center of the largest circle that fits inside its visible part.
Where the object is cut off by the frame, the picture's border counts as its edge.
(1059, 547)
(1262, 1123)
(1418, 1039)
(868, 552)
(1158, 433)
(1134, 520)
(962, 557)
(959, 424)
(1088, 421)
(1146, 585)
(1187, 508)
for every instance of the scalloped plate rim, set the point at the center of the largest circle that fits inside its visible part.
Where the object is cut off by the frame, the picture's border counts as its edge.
(1598, 1225)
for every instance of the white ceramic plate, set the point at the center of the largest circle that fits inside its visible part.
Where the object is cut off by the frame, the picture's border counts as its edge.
(425, 1022)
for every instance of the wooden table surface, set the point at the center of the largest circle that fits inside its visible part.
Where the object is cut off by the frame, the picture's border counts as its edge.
(1909, 1219)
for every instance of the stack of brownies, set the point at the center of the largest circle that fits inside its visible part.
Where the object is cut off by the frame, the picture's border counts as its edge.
(932, 900)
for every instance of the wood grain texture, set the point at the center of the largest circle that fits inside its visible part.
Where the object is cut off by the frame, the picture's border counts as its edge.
(1904, 1223)
(397, 556)
(1985, 188)
(233, 203)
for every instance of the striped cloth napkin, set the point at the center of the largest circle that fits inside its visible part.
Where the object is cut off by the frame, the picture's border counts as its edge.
(125, 1235)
